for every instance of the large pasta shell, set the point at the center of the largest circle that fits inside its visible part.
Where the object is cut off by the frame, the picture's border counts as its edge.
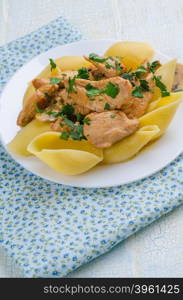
(68, 157)
(130, 146)
(20, 142)
(163, 114)
(134, 53)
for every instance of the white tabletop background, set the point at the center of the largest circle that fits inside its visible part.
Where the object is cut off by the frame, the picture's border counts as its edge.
(156, 251)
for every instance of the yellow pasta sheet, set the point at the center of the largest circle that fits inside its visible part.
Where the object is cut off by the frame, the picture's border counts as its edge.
(68, 157)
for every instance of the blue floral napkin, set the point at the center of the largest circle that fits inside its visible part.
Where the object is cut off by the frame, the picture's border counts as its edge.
(51, 229)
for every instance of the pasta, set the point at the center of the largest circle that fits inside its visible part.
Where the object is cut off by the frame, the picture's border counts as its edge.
(131, 145)
(133, 54)
(163, 114)
(20, 142)
(68, 157)
(167, 73)
(72, 131)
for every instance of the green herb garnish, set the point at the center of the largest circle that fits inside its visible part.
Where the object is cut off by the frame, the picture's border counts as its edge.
(107, 106)
(39, 110)
(137, 92)
(54, 114)
(127, 75)
(52, 64)
(69, 123)
(161, 86)
(152, 67)
(86, 121)
(92, 91)
(71, 87)
(79, 117)
(83, 73)
(113, 116)
(111, 90)
(76, 132)
(55, 80)
(140, 71)
(68, 110)
(65, 135)
(144, 85)
(97, 58)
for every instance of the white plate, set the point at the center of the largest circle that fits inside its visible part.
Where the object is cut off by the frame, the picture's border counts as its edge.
(146, 163)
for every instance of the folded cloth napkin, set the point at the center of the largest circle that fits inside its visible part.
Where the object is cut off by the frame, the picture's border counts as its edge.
(51, 229)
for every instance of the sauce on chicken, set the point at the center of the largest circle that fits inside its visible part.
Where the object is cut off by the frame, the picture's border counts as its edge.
(101, 104)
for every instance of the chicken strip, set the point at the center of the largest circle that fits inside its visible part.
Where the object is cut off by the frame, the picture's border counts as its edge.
(136, 107)
(108, 66)
(97, 96)
(106, 128)
(39, 98)
(39, 82)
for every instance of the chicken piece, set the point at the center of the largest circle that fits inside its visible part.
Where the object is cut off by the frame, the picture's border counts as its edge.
(40, 99)
(109, 127)
(50, 113)
(118, 88)
(178, 79)
(111, 67)
(136, 107)
(59, 126)
(39, 82)
(44, 117)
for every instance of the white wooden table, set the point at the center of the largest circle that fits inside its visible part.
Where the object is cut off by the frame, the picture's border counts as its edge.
(156, 251)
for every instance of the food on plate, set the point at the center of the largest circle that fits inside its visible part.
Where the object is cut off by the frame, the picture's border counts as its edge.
(84, 110)
(78, 156)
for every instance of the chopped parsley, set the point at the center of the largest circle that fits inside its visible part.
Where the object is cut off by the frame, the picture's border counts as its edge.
(55, 80)
(47, 95)
(83, 73)
(161, 86)
(68, 110)
(52, 64)
(92, 91)
(76, 132)
(113, 116)
(64, 135)
(152, 67)
(137, 92)
(54, 114)
(109, 66)
(87, 121)
(71, 87)
(131, 76)
(69, 123)
(140, 71)
(127, 75)
(144, 85)
(39, 110)
(79, 117)
(97, 58)
(111, 90)
(107, 106)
